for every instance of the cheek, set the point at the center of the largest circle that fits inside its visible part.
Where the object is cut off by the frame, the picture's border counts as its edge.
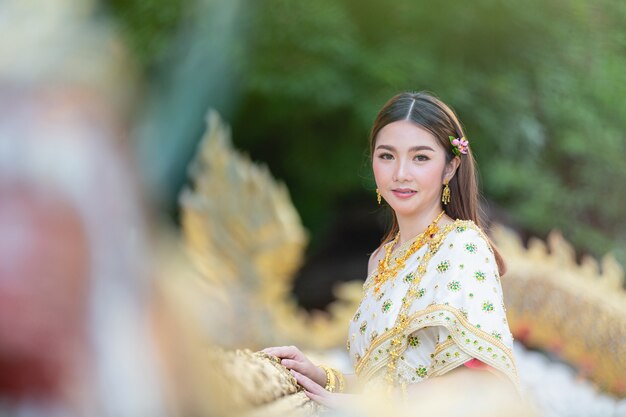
(380, 171)
(434, 175)
(437, 169)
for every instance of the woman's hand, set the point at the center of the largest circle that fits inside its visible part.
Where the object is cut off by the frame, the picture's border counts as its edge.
(318, 394)
(293, 359)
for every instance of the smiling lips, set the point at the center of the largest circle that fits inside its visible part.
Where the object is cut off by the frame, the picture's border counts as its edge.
(403, 192)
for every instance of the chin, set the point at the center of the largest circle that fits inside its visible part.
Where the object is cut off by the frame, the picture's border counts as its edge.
(404, 211)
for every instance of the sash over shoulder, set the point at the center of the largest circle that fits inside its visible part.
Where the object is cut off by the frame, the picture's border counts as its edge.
(454, 302)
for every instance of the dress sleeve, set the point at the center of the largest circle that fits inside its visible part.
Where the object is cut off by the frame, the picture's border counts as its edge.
(467, 307)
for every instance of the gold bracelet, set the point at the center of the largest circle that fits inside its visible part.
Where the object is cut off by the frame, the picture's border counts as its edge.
(341, 379)
(330, 378)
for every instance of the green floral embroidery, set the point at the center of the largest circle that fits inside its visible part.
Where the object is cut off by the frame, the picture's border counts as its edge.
(488, 306)
(421, 372)
(414, 341)
(386, 306)
(420, 293)
(496, 335)
(461, 266)
(454, 285)
(471, 247)
(464, 312)
(356, 316)
(480, 276)
(443, 266)
(409, 277)
(373, 336)
(363, 327)
(461, 229)
(471, 295)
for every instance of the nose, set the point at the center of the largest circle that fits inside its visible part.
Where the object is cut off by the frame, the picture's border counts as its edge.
(402, 172)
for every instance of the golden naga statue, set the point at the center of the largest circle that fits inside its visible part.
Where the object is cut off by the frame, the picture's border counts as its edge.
(245, 241)
(575, 311)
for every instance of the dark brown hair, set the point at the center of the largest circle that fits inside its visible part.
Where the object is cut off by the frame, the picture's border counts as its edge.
(432, 114)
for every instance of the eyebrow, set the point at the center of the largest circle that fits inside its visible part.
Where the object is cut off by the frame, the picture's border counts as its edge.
(412, 149)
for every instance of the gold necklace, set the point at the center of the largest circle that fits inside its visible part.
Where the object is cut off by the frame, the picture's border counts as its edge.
(386, 273)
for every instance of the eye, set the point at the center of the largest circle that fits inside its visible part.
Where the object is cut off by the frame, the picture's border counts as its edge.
(421, 158)
(385, 156)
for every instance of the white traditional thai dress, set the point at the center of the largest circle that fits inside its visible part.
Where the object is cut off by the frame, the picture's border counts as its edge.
(442, 310)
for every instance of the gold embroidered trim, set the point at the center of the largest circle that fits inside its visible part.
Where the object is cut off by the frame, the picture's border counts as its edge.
(375, 343)
(402, 322)
(460, 361)
(465, 323)
(442, 346)
(454, 363)
(397, 345)
(481, 334)
(399, 252)
(375, 368)
(432, 248)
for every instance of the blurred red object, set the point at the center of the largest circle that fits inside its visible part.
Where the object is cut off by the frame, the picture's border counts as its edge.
(43, 292)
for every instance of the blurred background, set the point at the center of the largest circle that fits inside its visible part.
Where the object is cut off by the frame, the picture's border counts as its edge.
(539, 86)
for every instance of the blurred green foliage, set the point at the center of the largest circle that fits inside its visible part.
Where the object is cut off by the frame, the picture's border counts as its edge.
(149, 26)
(539, 86)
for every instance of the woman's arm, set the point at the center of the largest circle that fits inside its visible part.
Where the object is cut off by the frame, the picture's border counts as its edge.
(352, 384)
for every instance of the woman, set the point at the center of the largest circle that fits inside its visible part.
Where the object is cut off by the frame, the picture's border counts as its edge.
(432, 302)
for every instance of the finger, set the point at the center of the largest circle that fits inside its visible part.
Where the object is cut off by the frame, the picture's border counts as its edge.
(308, 384)
(289, 352)
(316, 398)
(269, 350)
(291, 364)
(302, 368)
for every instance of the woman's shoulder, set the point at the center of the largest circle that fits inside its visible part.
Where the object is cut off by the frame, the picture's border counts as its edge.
(465, 231)
(375, 256)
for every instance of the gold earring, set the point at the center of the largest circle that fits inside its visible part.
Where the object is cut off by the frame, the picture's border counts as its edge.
(445, 197)
(378, 196)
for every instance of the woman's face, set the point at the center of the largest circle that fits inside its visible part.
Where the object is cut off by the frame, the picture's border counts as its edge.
(410, 168)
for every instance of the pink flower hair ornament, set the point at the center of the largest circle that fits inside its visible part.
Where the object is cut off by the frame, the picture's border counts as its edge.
(459, 145)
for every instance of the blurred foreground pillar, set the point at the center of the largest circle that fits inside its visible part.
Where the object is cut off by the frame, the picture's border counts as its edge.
(74, 338)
